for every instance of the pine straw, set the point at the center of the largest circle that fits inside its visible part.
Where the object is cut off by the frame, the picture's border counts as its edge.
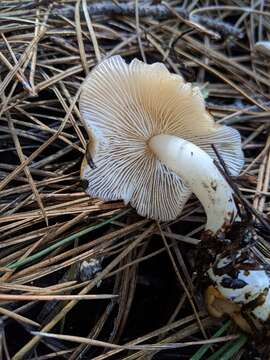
(55, 240)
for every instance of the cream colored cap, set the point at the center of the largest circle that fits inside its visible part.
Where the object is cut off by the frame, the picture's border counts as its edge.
(125, 105)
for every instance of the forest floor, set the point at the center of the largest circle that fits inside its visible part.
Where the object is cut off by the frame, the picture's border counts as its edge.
(56, 240)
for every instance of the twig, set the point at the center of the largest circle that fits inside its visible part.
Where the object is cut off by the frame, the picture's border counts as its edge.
(248, 207)
(109, 8)
(223, 28)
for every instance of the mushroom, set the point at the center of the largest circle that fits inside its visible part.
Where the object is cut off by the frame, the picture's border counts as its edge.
(152, 142)
(249, 289)
(151, 146)
(263, 47)
(218, 306)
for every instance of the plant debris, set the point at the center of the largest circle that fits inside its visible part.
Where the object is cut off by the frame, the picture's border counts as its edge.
(50, 227)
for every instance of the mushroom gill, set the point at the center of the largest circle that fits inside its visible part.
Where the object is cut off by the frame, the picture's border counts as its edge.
(125, 105)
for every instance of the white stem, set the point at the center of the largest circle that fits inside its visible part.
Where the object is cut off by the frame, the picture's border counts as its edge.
(199, 172)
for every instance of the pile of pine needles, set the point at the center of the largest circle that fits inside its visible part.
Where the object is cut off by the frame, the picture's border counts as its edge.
(108, 283)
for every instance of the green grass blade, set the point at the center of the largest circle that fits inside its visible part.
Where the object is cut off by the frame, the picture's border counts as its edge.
(227, 351)
(66, 240)
(199, 354)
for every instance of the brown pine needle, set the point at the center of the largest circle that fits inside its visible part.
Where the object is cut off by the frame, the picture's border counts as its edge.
(46, 50)
(148, 347)
(18, 317)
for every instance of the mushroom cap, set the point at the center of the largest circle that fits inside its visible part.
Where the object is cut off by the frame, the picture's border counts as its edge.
(251, 284)
(125, 105)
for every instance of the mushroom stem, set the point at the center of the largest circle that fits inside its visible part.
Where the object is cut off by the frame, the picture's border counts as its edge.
(199, 172)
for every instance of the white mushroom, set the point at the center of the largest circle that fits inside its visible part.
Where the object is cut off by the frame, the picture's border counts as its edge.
(263, 47)
(245, 287)
(262, 311)
(142, 118)
(151, 147)
(199, 172)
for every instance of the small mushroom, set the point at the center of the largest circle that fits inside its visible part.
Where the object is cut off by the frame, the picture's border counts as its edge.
(242, 287)
(263, 47)
(247, 288)
(152, 142)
